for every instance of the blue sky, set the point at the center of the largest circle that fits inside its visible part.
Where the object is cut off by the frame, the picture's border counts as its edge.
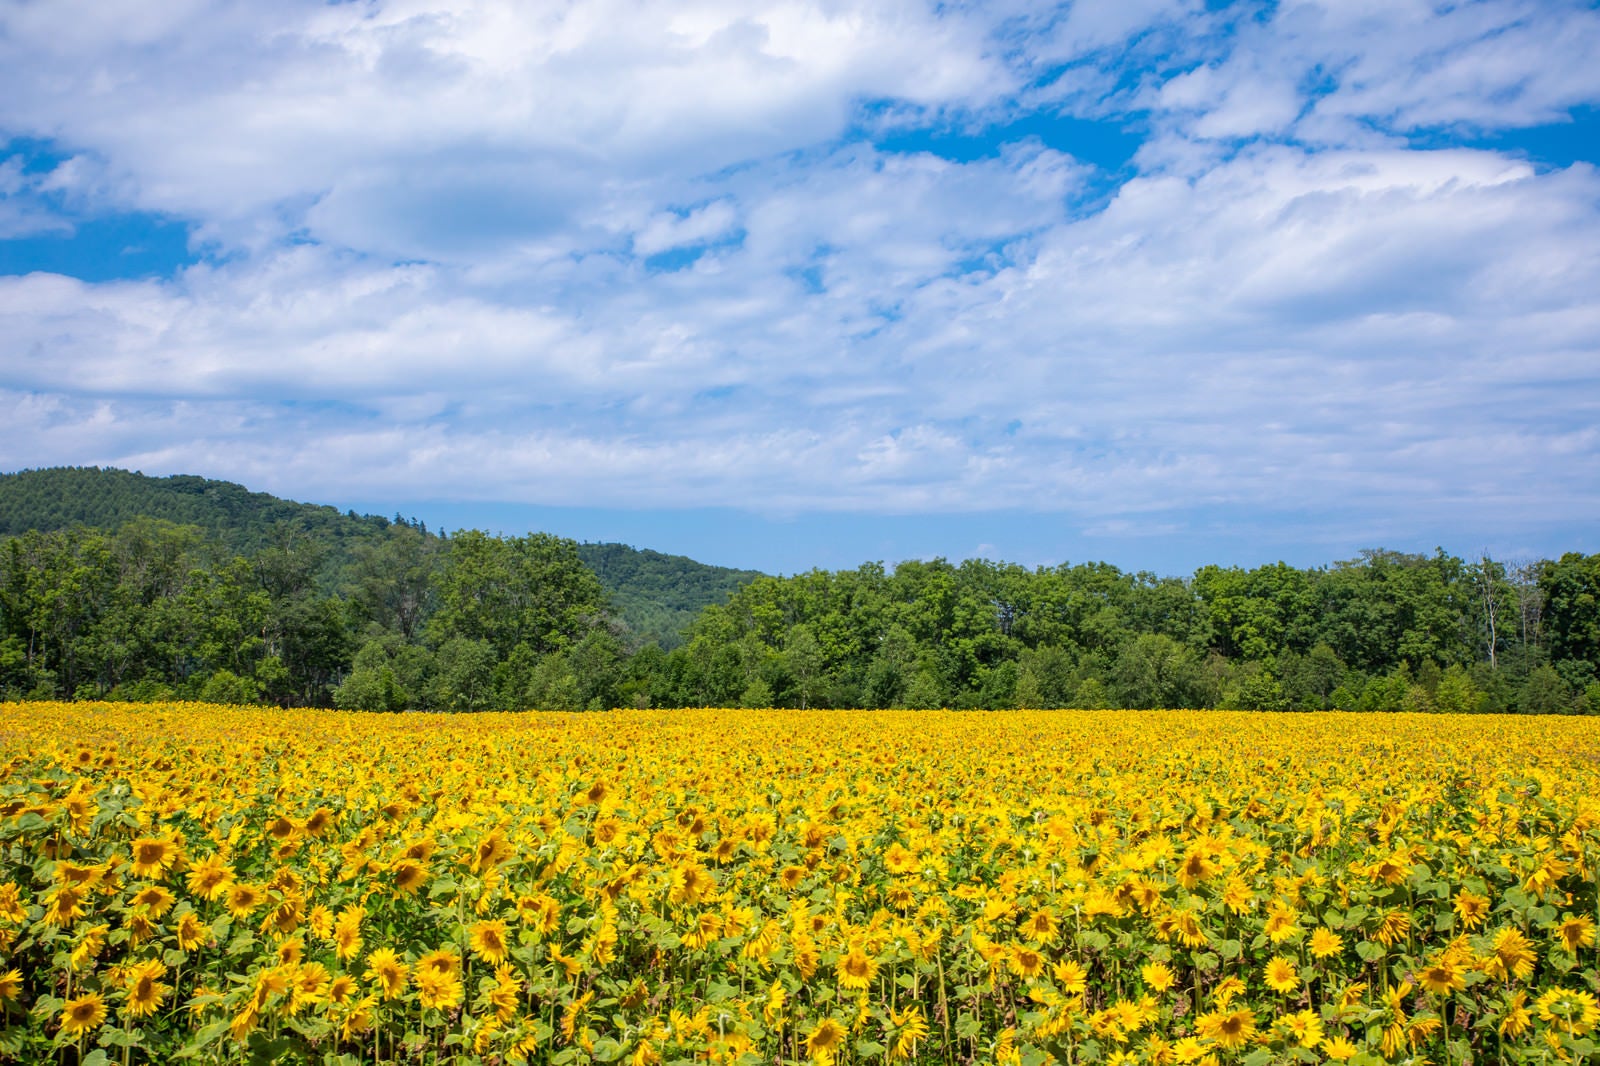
(786, 285)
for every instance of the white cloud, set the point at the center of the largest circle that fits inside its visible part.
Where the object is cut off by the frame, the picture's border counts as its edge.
(666, 230)
(437, 228)
(439, 130)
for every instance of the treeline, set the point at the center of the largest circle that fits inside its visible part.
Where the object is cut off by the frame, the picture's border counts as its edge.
(157, 610)
(1384, 632)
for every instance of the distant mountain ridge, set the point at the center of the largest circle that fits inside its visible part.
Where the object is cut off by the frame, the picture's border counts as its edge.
(655, 594)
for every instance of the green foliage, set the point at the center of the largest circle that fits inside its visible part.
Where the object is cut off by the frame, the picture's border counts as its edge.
(507, 591)
(1545, 692)
(1153, 670)
(243, 522)
(225, 686)
(191, 587)
(1456, 693)
(657, 596)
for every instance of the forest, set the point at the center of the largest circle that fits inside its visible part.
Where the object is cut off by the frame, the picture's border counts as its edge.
(114, 585)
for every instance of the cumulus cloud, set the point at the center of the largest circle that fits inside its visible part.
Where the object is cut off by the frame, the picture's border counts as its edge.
(647, 255)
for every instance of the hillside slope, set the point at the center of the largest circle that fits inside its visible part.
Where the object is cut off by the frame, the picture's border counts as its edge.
(654, 594)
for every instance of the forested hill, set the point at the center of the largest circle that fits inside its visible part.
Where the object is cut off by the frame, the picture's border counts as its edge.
(659, 595)
(241, 520)
(654, 595)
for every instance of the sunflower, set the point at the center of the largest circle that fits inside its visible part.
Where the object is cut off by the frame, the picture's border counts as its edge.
(82, 1014)
(210, 877)
(88, 948)
(438, 989)
(1442, 976)
(1304, 1026)
(909, 1027)
(1283, 922)
(11, 908)
(1196, 867)
(1027, 963)
(409, 874)
(1325, 942)
(772, 1010)
(1157, 975)
(1471, 908)
(856, 968)
(442, 960)
(10, 985)
(243, 898)
(356, 1018)
(1392, 928)
(310, 987)
(347, 932)
(63, 905)
(1230, 1029)
(1280, 975)
(154, 856)
(900, 859)
(504, 996)
(1511, 956)
(490, 852)
(144, 990)
(1338, 1048)
(707, 927)
(244, 1023)
(192, 932)
(489, 941)
(1237, 896)
(80, 876)
(764, 943)
(319, 822)
(1571, 1010)
(341, 989)
(80, 809)
(385, 967)
(1576, 933)
(155, 899)
(1071, 976)
(1226, 991)
(1186, 926)
(541, 913)
(824, 1040)
(1391, 869)
(1041, 926)
(1515, 1018)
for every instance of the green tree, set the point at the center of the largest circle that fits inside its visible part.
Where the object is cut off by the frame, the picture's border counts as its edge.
(1545, 692)
(1154, 670)
(1046, 677)
(1571, 615)
(463, 678)
(802, 659)
(889, 673)
(394, 580)
(1456, 693)
(373, 684)
(225, 686)
(1310, 680)
(530, 590)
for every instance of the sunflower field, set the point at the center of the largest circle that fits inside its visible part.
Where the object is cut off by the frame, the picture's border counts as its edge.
(208, 884)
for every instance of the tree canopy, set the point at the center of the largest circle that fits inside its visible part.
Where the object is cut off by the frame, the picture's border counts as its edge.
(260, 599)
